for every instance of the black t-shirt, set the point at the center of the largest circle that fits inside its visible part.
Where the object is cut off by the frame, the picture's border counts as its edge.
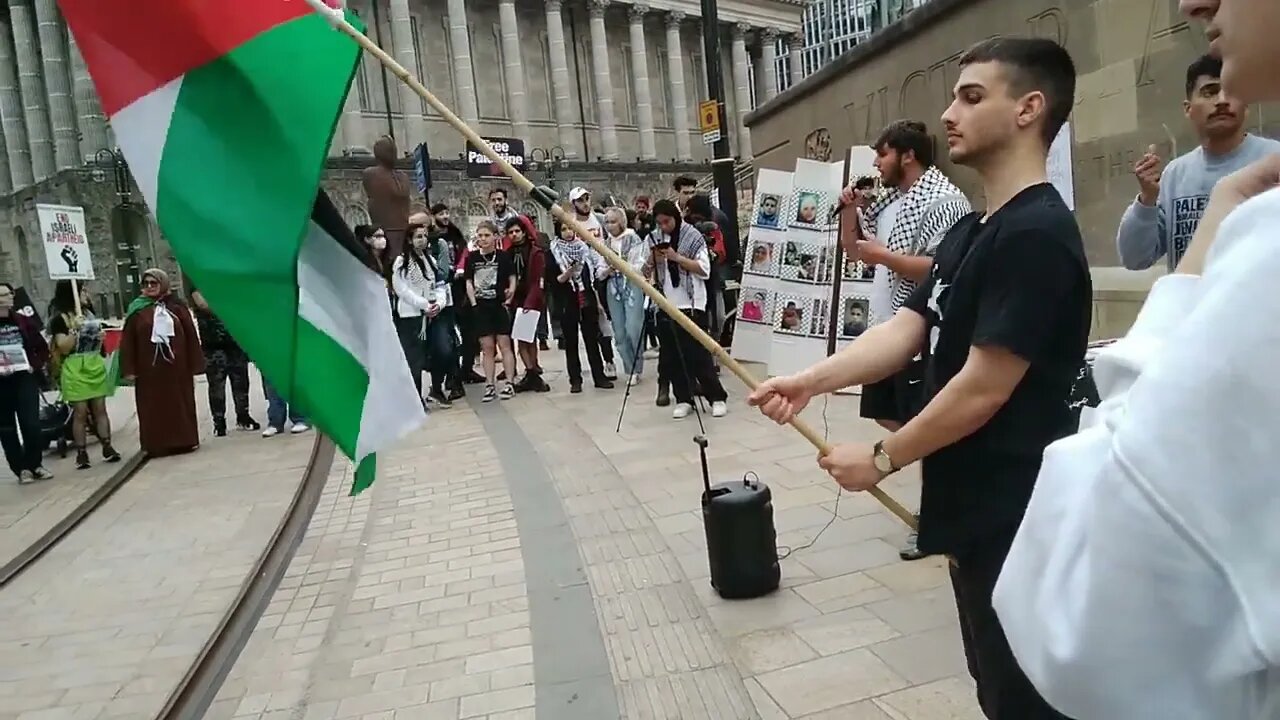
(1018, 281)
(490, 274)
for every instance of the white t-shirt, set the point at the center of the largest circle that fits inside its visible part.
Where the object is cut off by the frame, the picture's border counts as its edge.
(592, 221)
(881, 300)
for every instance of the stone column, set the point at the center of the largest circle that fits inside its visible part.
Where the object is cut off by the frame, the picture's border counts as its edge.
(348, 137)
(35, 109)
(742, 85)
(795, 42)
(640, 76)
(15, 130)
(560, 78)
(517, 97)
(464, 84)
(92, 121)
(679, 99)
(407, 55)
(769, 57)
(604, 81)
(57, 83)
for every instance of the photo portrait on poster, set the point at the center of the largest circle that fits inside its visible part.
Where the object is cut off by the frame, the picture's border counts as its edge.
(812, 209)
(818, 319)
(761, 262)
(755, 306)
(769, 208)
(800, 262)
(792, 315)
(853, 319)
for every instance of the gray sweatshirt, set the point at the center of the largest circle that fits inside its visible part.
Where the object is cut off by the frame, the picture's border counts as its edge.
(1148, 233)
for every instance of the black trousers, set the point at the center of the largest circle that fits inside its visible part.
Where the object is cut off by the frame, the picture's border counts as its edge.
(464, 316)
(415, 347)
(686, 364)
(1004, 692)
(221, 366)
(20, 411)
(582, 322)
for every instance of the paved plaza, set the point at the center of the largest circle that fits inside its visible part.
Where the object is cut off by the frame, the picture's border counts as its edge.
(514, 560)
(522, 560)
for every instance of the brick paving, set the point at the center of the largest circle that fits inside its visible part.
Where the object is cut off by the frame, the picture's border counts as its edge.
(107, 623)
(28, 511)
(412, 600)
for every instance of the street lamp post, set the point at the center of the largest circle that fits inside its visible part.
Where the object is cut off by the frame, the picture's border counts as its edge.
(113, 161)
(549, 160)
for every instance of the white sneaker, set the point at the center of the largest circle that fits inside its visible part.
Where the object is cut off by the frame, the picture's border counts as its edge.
(681, 411)
(635, 379)
(299, 428)
(719, 409)
(271, 431)
(610, 371)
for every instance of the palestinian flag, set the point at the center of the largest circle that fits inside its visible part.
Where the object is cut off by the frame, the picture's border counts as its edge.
(225, 110)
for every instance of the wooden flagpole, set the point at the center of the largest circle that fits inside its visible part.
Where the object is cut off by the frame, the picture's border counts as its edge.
(339, 21)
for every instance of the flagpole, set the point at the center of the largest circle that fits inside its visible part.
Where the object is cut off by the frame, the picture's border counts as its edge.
(339, 21)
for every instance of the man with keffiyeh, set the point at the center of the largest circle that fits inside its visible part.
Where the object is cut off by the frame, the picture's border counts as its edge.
(683, 266)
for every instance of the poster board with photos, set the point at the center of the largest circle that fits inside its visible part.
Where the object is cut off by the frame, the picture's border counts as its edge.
(805, 262)
(753, 332)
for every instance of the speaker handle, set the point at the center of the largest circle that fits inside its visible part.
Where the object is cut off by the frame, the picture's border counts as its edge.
(701, 441)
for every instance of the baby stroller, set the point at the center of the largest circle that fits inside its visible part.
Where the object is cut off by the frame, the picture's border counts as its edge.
(55, 424)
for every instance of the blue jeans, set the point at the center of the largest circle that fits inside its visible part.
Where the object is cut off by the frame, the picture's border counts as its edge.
(626, 310)
(277, 408)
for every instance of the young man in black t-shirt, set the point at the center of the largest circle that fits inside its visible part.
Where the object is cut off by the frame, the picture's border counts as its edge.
(1003, 321)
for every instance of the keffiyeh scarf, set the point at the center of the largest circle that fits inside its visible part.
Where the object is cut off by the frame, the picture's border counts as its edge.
(689, 243)
(567, 254)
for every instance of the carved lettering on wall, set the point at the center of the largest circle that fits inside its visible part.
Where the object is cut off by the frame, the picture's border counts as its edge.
(817, 145)
(1159, 26)
(1050, 24)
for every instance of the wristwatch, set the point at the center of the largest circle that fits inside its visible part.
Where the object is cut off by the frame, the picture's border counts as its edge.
(880, 458)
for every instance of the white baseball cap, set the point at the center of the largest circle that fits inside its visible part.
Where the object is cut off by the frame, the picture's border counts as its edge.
(577, 193)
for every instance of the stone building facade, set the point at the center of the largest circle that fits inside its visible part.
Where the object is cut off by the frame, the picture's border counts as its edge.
(613, 87)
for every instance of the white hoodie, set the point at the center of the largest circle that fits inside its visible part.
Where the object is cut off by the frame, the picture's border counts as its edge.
(1144, 582)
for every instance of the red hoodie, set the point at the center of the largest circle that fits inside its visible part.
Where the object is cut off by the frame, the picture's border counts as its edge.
(531, 266)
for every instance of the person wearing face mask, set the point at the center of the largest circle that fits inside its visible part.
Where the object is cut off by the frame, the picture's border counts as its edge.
(375, 239)
(23, 352)
(626, 301)
(160, 353)
(422, 293)
(530, 266)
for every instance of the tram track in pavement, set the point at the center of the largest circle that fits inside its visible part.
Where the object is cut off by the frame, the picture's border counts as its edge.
(199, 686)
(54, 535)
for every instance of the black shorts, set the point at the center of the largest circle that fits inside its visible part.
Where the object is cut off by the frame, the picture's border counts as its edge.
(896, 398)
(491, 318)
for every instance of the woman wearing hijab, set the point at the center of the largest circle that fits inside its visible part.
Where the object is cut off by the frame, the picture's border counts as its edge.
(625, 300)
(80, 367)
(23, 354)
(530, 264)
(160, 352)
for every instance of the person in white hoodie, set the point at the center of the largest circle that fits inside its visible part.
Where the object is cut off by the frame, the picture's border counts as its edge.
(1142, 582)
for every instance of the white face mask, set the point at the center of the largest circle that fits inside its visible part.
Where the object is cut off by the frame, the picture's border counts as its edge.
(419, 243)
(379, 242)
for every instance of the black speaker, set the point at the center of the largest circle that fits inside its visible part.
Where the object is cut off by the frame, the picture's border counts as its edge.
(742, 545)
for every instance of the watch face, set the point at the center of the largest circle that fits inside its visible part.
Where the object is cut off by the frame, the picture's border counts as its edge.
(883, 463)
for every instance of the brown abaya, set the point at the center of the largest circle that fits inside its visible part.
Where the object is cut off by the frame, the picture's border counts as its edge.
(164, 384)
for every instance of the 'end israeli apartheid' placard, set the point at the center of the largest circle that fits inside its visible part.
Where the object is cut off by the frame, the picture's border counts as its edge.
(66, 244)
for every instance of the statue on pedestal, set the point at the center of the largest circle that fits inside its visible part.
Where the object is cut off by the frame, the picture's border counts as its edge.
(387, 191)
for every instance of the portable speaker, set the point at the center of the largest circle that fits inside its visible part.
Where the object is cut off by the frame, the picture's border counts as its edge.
(742, 545)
